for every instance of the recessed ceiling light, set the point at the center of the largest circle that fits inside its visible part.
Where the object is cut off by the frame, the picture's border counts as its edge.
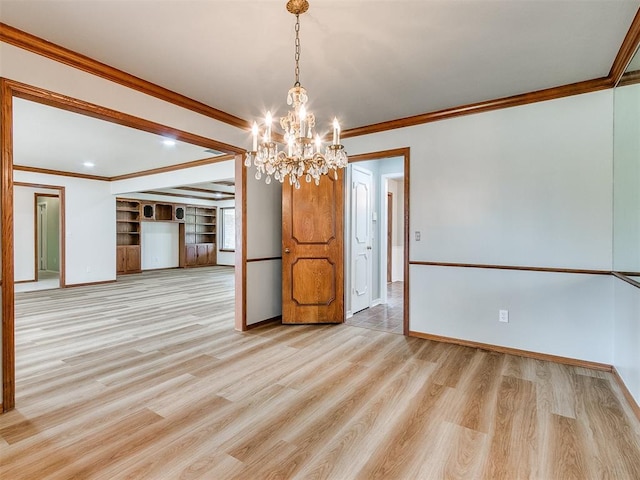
(168, 142)
(89, 164)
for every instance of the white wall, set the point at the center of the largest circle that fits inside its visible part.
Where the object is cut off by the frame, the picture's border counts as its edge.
(159, 245)
(90, 226)
(524, 186)
(627, 335)
(264, 240)
(396, 187)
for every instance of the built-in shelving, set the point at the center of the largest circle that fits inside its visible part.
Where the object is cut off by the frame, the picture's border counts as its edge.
(127, 236)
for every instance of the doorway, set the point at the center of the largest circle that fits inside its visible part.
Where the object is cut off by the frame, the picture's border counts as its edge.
(39, 247)
(376, 290)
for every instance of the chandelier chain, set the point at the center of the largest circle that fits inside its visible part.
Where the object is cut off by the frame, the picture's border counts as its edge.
(297, 56)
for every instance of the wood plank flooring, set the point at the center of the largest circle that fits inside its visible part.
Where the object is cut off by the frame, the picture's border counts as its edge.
(146, 379)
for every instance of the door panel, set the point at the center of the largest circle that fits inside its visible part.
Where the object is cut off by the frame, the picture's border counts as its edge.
(361, 239)
(312, 259)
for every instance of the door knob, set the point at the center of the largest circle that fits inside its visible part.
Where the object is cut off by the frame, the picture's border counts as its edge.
(286, 250)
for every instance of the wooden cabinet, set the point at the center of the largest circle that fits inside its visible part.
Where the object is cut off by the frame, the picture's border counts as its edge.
(128, 259)
(200, 255)
(127, 236)
(200, 236)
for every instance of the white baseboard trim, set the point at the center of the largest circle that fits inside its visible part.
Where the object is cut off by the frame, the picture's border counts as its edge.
(375, 302)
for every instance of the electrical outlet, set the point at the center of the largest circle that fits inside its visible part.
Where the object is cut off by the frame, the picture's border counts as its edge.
(503, 316)
(417, 236)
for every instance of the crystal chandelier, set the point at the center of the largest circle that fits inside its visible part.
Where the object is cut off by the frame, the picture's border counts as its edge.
(302, 153)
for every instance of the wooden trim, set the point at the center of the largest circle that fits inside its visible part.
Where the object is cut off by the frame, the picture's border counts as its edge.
(629, 274)
(178, 195)
(627, 394)
(382, 154)
(9, 89)
(480, 107)
(241, 246)
(407, 243)
(629, 78)
(264, 322)
(404, 152)
(153, 171)
(512, 267)
(26, 41)
(57, 100)
(627, 50)
(624, 278)
(6, 226)
(263, 259)
(35, 236)
(204, 190)
(173, 168)
(514, 351)
(89, 284)
(48, 171)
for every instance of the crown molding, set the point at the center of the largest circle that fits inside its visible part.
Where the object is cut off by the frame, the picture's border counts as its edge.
(27, 41)
(172, 168)
(61, 173)
(480, 107)
(627, 51)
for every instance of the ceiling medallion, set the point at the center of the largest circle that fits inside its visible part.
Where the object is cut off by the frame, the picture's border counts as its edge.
(302, 153)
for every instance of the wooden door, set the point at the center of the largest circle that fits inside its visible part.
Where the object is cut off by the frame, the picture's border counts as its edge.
(313, 256)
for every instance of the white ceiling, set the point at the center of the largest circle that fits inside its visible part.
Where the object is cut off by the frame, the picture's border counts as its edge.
(51, 138)
(364, 61)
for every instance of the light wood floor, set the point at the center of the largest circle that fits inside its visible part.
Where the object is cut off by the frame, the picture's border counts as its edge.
(145, 379)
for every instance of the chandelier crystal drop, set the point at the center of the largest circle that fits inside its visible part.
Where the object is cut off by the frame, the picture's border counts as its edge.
(301, 155)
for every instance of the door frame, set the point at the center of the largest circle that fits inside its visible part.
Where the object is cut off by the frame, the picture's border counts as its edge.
(10, 89)
(61, 226)
(404, 152)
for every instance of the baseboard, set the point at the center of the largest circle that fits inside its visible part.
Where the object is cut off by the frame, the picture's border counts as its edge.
(69, 285)
(349, 315)
(375, 302)
(514, 351)
(627, 394)
(264, 322)
(25, 281)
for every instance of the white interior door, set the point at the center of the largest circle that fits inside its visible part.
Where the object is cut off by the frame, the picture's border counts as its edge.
(42, 236)
(361, 239)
